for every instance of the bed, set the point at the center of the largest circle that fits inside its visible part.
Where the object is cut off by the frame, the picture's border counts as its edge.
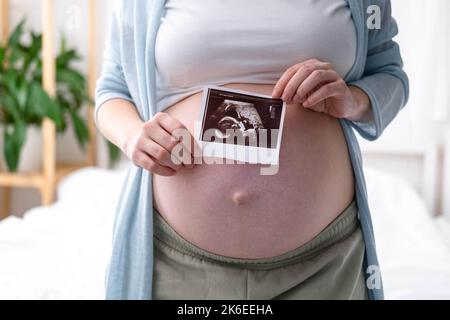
(61, 252)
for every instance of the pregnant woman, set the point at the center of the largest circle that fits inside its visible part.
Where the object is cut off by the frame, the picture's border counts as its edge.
(224, 231)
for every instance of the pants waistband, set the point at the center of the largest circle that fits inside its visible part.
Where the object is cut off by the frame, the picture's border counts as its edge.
(342, 227)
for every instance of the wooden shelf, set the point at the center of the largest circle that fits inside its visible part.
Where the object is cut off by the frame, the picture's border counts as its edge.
(21, 180)
(36, 179)
(4, 12)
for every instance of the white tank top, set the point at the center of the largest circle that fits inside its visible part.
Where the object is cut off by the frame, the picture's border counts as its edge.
(214, 42)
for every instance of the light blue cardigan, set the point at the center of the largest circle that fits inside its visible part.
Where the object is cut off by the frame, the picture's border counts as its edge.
(129, 73)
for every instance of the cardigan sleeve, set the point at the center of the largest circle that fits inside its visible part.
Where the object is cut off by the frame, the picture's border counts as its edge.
(383, 80)
(112, 83)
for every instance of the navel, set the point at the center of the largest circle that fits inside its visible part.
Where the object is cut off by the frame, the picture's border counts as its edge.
(240, 197)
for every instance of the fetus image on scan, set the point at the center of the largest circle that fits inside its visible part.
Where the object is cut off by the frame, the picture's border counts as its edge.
(241, 120)
(240, 116)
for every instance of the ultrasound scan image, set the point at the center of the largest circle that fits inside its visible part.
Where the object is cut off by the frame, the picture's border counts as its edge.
(238, 119)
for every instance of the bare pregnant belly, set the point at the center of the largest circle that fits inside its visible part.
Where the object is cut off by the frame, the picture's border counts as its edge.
(233, 210)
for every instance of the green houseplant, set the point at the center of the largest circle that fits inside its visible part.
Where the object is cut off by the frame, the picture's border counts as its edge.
(24, 102)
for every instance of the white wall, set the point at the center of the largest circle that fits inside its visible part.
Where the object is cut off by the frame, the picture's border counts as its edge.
(422, 41)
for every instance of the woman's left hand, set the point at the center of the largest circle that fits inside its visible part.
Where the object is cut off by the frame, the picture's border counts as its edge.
(318, 87)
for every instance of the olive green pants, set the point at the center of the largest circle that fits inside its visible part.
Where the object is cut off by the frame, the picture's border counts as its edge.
(328, 267)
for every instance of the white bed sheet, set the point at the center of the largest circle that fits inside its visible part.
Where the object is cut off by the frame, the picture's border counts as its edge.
(413, 249)
(61, 252)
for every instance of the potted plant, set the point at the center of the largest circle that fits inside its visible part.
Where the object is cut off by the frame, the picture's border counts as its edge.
(23, 101)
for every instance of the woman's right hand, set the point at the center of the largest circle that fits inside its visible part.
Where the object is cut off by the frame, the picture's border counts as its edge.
(150, 146)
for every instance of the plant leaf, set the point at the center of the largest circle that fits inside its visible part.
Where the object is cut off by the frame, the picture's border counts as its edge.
(72, 78)
(14, 138)
(22, 94)
(65, 58)
(33, 51)
(48, 105)
(11, 108)
(63, 45)
(2, 57)
(23, 101)
(16, 35)
(34, 107)
(80, 128)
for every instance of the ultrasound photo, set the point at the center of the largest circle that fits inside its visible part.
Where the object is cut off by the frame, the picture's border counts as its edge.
(241, 119)
(230, 114)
